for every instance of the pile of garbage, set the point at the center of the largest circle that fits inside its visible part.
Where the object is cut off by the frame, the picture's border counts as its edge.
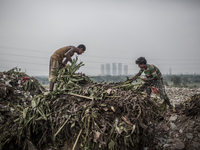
(17, 89)
(180, 129)
(15, 82)
(178, 95)
(192, 106)
(80, 114)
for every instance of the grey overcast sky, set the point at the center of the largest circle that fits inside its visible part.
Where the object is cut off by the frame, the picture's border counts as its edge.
(165, 32)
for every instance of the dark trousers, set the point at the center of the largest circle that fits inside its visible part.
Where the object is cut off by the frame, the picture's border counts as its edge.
(158, 84)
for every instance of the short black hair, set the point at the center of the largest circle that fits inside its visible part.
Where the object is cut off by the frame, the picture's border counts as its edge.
(141, 60)
(82, 46)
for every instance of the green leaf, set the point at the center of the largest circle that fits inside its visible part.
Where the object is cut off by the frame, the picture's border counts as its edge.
(111, 145)
(42, 113)
(33, 103)
(25, 112)
(72, 125)
(103, 104)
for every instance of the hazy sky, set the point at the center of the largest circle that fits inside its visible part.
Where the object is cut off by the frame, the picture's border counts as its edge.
(165, 32)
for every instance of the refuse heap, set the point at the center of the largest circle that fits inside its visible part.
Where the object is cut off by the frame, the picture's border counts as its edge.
(81, 114)
(16, 90)
(15, 82)
(178, 95)
(192, 106)
(16, 87)
(180, 129)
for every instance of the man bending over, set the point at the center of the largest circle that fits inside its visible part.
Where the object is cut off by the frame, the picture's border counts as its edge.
(60, 58)
(153, 78)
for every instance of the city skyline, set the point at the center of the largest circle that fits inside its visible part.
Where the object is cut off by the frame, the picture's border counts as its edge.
(117, 69)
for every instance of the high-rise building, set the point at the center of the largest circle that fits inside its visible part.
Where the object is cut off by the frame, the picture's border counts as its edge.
(119, 68)
(125, 69)
(102, 69)
(107, 69)
(114, 69)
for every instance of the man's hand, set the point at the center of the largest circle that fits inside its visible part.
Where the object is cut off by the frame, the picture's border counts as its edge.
(127, 79)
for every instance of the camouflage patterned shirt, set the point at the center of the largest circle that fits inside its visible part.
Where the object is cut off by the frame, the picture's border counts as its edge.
(151, 71)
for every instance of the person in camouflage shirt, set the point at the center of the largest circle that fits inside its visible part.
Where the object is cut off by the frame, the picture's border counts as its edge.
(153, 78)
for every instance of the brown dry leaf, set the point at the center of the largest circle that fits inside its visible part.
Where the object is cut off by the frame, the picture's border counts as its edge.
(96, 136)
(109, 91)
(85, 91)
(126, 120)
(113, 108)
(105, 109)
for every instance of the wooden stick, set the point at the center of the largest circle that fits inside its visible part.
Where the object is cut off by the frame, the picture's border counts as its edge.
(77, 139)
(62, 126)
(112, 96)
(80, 96)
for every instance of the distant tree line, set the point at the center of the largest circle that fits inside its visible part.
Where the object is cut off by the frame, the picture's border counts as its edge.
(184, 80)
(175, 80)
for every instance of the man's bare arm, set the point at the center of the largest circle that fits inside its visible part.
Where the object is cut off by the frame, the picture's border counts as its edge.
(69, 54)
(133, 78)
(65, 61)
